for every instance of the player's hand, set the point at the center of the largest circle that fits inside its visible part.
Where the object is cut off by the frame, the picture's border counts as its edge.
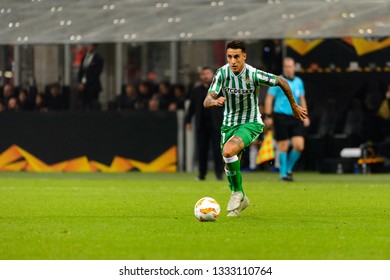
(299, 112)
(220, 101)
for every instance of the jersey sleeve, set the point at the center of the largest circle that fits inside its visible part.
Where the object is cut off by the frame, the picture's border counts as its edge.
(265, 79)
(216, 84)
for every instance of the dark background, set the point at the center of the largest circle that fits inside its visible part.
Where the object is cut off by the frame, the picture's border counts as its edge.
(58, 136)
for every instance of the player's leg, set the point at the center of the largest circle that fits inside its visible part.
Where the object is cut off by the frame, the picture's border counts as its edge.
(230, 152)
(230, 181)
(281, 135)
(242, 138)
(226, 133)
(283, 148)
(298, 144)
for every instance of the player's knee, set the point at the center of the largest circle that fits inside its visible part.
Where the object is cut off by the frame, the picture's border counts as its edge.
(299, 148)
(283, 146)
(228, 152)
(298, 144)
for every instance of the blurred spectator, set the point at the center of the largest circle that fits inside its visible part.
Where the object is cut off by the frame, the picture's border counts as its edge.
(179, 98)
(55, 99)
(7, 93)
(13, 105)
(151, 78)
(24, 102)
(3, 108)
(207, 124)
(128, 99)
(40, 104)
(154, 103)
(165, 95)
(31, 90)
(144, 95)
(89, 85)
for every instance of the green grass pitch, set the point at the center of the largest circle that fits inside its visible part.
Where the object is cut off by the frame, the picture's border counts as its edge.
(150, 216)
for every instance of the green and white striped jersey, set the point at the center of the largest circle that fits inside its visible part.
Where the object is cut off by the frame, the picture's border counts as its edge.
(241, 92)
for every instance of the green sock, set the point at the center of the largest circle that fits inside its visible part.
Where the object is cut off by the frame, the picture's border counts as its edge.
(234, 176)
(230, 182)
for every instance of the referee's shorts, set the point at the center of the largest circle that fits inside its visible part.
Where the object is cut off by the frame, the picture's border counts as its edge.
(286, 127)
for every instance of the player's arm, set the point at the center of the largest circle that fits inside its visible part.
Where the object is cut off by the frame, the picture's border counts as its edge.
(212, 100)
(302, 99)
(298, 111)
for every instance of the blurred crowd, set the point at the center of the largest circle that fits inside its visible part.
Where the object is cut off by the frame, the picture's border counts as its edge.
(147, 94)
(144, 95)
(26, 98)
(150, 96)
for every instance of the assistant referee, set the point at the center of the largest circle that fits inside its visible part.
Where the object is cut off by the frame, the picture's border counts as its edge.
(286, 127)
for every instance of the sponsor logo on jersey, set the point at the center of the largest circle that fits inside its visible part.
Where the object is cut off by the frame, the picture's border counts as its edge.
(237, 90)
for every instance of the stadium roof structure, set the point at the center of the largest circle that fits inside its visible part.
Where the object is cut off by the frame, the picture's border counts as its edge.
(60, 21)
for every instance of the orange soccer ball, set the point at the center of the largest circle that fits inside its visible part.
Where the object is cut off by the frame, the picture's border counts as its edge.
(207, 209)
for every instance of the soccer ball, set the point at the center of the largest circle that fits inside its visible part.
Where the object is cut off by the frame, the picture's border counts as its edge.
(207, 209)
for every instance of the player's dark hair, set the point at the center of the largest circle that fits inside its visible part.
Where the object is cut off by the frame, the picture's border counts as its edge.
(206, 68)
(236, 44)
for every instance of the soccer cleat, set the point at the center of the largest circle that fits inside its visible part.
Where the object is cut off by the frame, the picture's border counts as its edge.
(290, 176)
(233, 213)
(235, 201)
(286, 179)
(243, 205)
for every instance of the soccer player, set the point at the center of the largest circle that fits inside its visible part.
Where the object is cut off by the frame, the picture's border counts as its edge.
(239, 84)
(286, 127)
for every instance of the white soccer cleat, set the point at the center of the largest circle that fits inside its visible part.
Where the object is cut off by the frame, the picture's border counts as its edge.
(235, 201)
(243, 205)
(233, 213)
